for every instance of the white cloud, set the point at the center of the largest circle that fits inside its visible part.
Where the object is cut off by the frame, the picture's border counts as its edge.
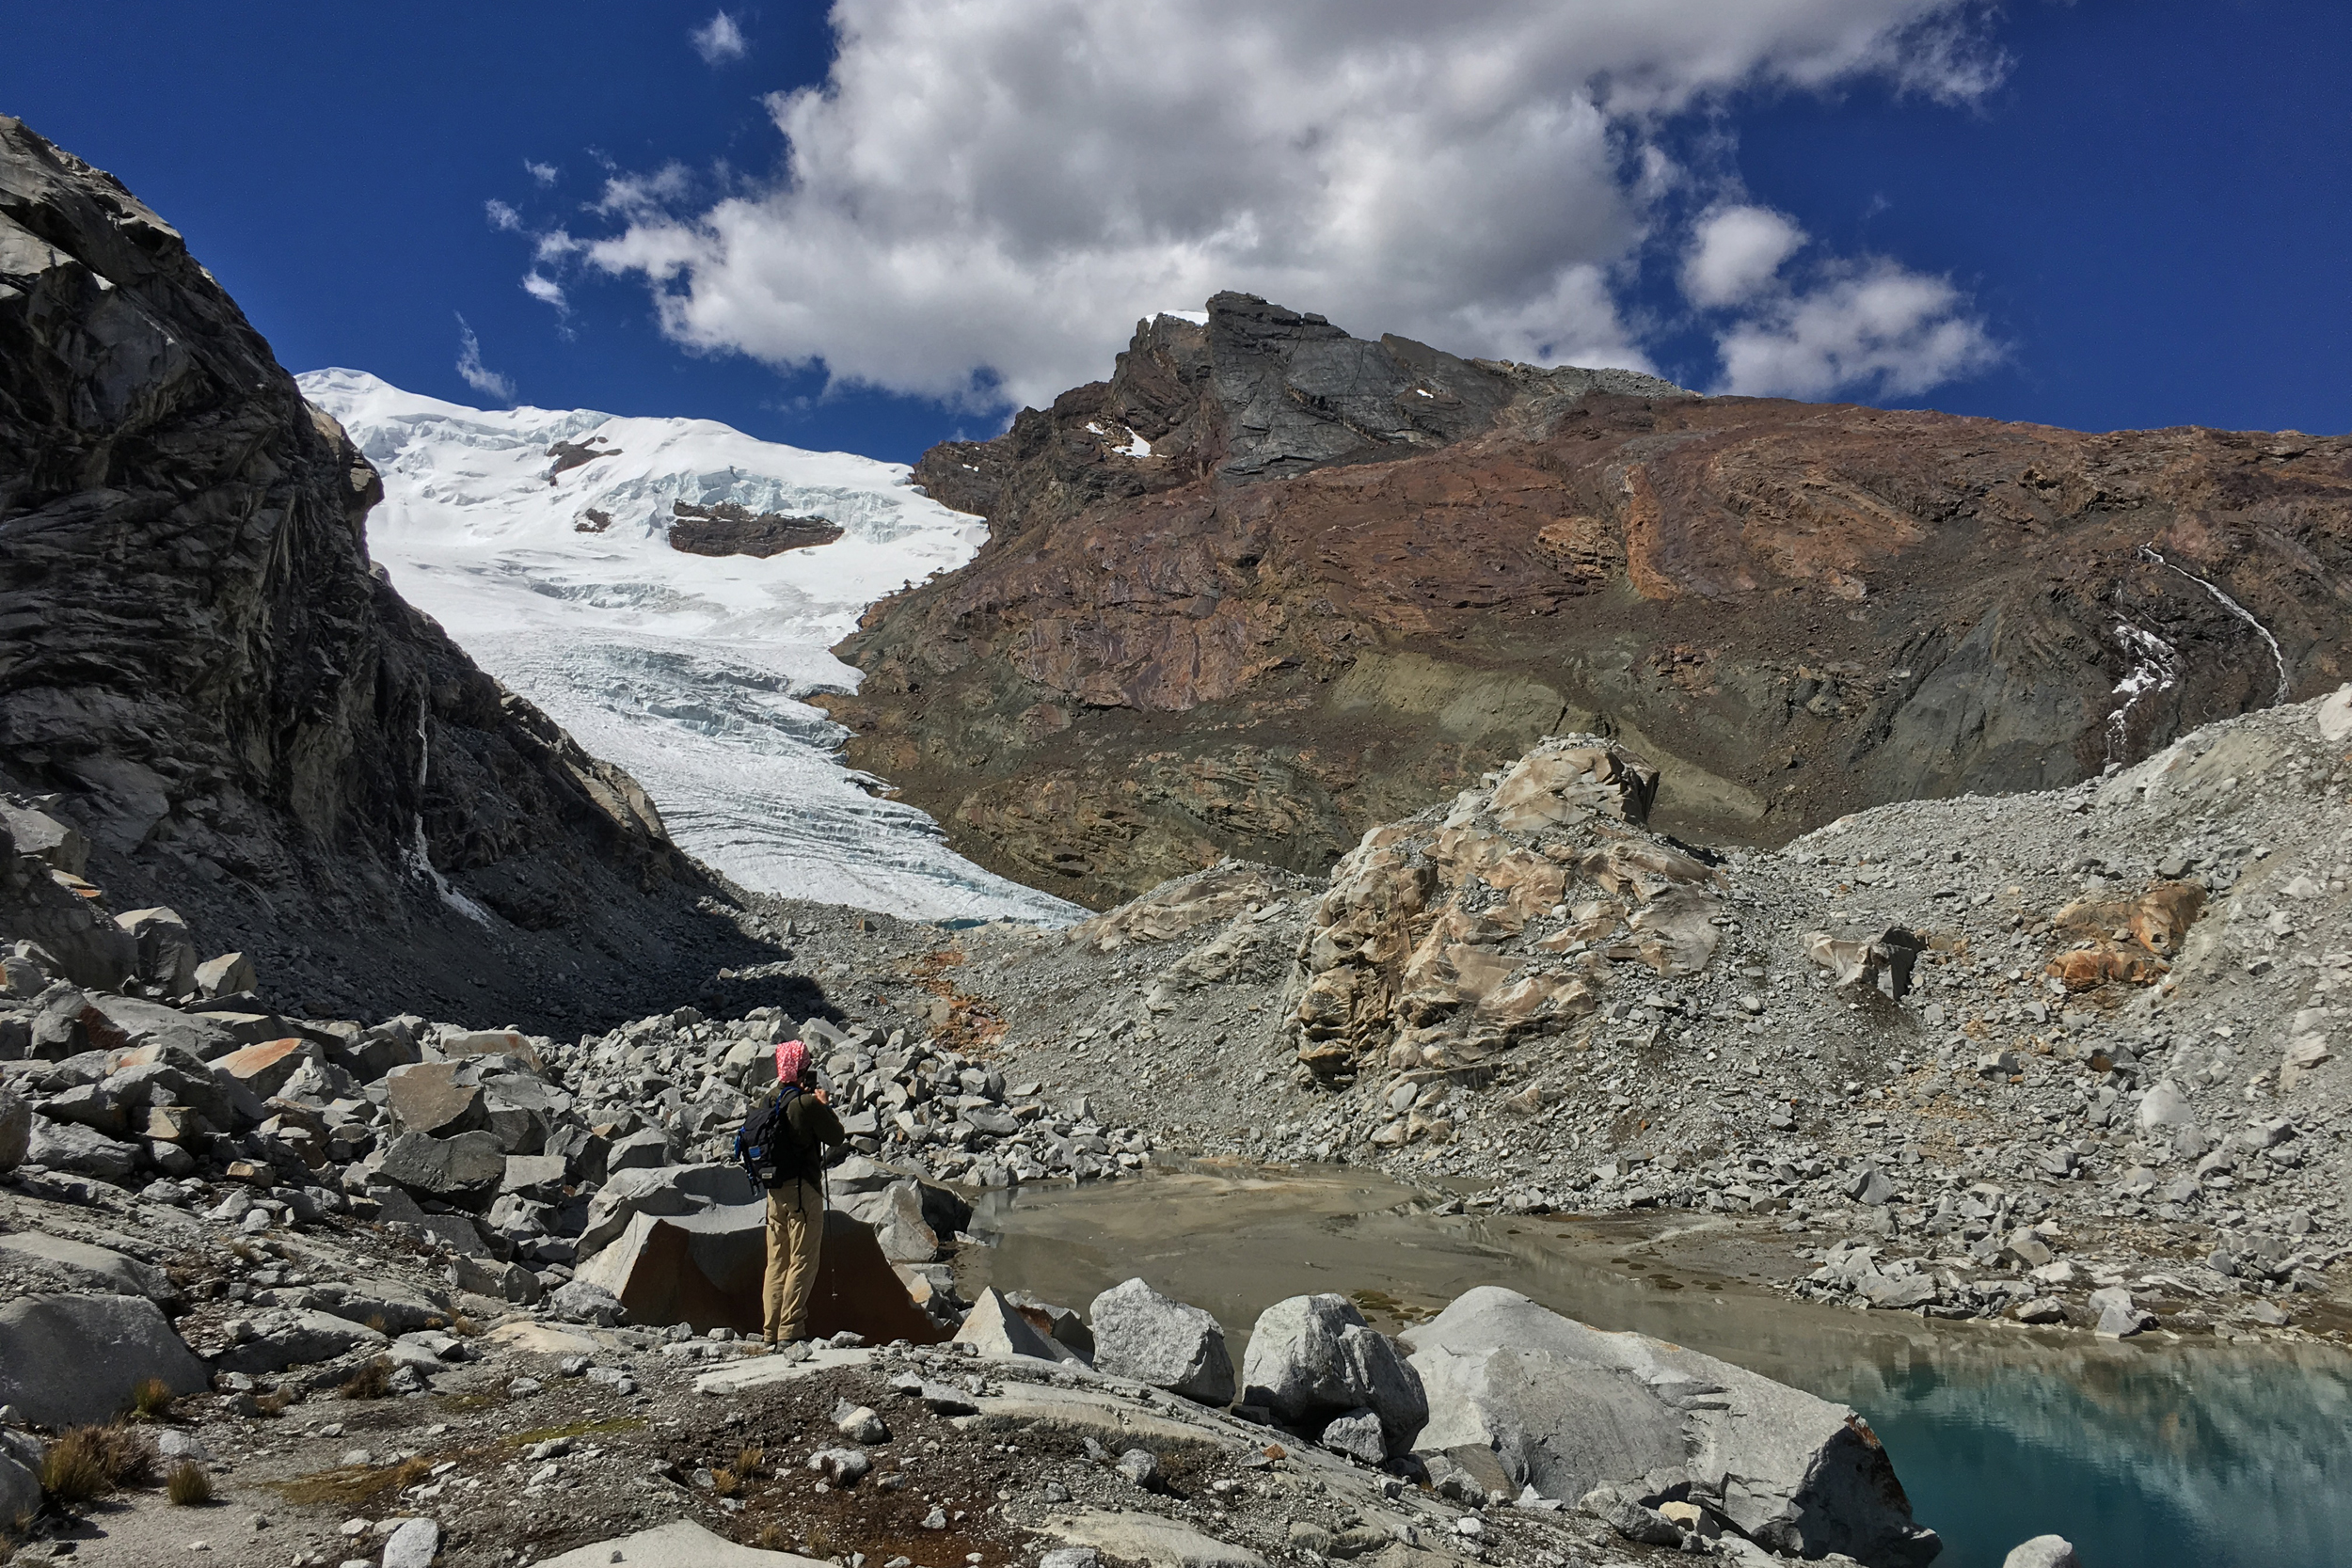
(502, 216)
(1735, 251)
(642, 197)
(554, 245)
(1877, 328)
(719, 39)
(545, 290)
(543, 173)
(980, 200)
(471, 369)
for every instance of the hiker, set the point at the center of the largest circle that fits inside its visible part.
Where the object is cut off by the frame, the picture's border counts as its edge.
(794, 1170)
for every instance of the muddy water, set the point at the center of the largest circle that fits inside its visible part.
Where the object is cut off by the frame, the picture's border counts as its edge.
(2145, 1455)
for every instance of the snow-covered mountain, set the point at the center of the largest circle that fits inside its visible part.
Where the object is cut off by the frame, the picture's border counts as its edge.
(684, 668)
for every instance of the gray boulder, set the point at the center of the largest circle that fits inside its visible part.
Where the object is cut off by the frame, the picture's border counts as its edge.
(661, 1191)
(439, 1098)
(93, 1268)
(576, 1301)
(1567, 1409)
(74, 1360)
(2042, 1551)
(154, 1025)
(20, 1475)
(1625, 1513)
(227, 975)
(2119, 1317)
(647, 1150)
(69, 1146)
(1357, 1434)
(1145, 1336)
(1312, 1358)
(296, 1337)
(16, 1127)
(166, 952)
(464, 1171)
(900, 1224)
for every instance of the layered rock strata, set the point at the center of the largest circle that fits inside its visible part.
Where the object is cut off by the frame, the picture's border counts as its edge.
(1270, 585)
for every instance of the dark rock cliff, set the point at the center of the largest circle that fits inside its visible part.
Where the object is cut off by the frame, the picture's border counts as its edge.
(202, 670)
(1270, 585)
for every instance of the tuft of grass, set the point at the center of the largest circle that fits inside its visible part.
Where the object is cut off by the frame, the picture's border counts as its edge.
(371, 1381)
(773, 1539)
(375, 1321)
(188, 1484)
(725, 1482)
(748, 1460)
(576, 1428)
(275, 1402)
(353, 1487)
(88, 1463)
(152, 1399)
(464, 1327)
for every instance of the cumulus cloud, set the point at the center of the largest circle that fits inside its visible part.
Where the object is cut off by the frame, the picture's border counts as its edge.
(1876, 329)
(1871, 326)
(474, 372)
(719, 39)
(543, 173)
(980, 200)
(1737, 251)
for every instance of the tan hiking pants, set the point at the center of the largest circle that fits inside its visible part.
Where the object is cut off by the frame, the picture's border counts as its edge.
(796, 1229)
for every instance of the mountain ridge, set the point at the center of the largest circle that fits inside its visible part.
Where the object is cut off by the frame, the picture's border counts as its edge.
(1160, 657)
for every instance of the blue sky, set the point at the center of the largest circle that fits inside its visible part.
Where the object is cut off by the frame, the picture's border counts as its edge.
(2101, 215)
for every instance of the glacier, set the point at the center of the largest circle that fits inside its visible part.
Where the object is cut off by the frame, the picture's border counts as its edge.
(688, 670)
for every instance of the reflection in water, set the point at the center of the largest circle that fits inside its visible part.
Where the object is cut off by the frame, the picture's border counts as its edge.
(2144, 1456)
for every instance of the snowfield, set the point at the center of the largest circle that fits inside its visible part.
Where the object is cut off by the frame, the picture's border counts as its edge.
(686, 669)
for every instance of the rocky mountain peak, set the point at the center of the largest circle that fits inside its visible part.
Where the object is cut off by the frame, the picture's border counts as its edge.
(202, 672)
(1255, 391)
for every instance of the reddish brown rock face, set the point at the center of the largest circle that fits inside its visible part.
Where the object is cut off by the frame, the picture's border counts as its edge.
(1350, 577)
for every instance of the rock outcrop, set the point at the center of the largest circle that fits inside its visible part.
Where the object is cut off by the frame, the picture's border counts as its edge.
(1450, 935)
(728, 528)
(1270, 585)
(204, 679)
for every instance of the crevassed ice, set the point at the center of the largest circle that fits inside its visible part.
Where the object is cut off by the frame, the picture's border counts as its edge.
(688, 670)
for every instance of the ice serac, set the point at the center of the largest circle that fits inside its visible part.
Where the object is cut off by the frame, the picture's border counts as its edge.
(1366, 572)
(229, 701)
(667, 590)
(1567, 1409)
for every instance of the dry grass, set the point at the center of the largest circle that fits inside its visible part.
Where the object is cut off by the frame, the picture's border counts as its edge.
(353, 1487)
(725, 1482)
(371, 1381)
(188, 1484)
(152, 1399)
(464, 1327)
(89, 1462)
(773, 1539)
(748, 1461)
(275, 1402)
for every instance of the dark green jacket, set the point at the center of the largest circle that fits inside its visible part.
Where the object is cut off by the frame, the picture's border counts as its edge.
(815, 1129)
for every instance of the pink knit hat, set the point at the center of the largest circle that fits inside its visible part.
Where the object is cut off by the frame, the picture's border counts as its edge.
(791, 1061)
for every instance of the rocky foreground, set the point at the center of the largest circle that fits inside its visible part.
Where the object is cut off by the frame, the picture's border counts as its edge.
(2062, 1060)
